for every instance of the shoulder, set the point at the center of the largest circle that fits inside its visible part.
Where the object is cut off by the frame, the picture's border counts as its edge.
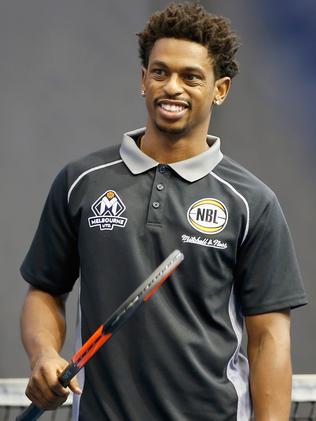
(250, 194)
(98, 159)
(243, 182)
(74, 171)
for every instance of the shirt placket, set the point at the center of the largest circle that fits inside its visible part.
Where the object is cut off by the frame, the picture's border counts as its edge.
(158, 194)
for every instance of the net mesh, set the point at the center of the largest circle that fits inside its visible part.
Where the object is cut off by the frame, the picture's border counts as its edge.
(13, 400)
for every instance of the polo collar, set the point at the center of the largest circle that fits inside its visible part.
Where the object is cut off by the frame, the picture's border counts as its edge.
(191, 169)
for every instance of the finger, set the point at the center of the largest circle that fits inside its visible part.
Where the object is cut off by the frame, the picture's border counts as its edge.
(74, 386)
(46, 389)
(42, 396)
(37, 386)
(52, 382)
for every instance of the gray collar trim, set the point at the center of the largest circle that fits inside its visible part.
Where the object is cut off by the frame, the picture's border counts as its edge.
(191, 169)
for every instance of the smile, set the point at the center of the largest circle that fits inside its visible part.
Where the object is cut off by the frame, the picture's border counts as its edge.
(172, 107)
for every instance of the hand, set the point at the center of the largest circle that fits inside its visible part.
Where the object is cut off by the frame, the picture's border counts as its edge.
(43, 388)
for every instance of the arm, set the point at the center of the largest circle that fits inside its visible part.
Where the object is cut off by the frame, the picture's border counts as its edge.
(43, 328)
(270, 365)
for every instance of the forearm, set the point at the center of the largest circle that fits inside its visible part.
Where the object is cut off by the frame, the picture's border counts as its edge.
(43, 329)
(271, 374)
(43, 324)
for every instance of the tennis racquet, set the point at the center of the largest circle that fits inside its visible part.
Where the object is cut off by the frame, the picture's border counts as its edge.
(106, 330)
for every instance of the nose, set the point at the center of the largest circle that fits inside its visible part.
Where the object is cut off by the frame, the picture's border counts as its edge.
(173, 86)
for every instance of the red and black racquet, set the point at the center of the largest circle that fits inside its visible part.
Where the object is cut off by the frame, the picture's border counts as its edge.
(106, 330)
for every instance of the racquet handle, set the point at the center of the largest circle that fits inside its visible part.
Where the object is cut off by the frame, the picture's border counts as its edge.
(31, 413)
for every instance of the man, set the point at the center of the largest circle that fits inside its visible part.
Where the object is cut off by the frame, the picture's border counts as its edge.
(114, 215)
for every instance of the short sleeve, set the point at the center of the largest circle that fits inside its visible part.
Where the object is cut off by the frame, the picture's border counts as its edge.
(52, 262)
(268, 277)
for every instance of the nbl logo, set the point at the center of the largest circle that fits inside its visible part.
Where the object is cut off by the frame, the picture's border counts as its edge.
(208, 216)
(107, 210)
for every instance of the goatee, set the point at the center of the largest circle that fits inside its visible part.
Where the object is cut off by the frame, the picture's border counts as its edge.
(171, 131)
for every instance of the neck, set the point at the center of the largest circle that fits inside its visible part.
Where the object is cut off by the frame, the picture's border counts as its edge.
(167, 148)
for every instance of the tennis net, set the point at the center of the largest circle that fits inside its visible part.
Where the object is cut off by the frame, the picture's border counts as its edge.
(13, 400)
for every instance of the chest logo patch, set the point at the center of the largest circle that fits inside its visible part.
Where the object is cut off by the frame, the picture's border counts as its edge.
(107, 210)
(208, 216)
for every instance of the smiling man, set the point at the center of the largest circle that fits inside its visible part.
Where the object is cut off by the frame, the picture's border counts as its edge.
(114, 215)
(180, 88)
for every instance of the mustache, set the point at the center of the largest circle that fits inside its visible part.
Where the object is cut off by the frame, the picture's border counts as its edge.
(181, 101)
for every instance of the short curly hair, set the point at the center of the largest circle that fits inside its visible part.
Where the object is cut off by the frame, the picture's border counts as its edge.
(190, 21)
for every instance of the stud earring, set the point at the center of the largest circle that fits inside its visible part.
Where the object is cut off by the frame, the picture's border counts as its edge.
(142, 92)
(217, 101)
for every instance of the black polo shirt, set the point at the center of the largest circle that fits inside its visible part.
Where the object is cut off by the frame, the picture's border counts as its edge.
(112, 217)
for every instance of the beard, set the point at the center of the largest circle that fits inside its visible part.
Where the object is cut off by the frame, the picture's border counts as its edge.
(173, 131)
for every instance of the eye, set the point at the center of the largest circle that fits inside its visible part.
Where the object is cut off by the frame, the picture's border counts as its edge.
(191, 77)
(158, 73)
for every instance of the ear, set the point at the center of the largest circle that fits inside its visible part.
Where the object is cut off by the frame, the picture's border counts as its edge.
(221, 89)
(143, 78)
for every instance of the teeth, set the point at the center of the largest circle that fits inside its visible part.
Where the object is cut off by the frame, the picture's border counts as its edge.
(173, 108)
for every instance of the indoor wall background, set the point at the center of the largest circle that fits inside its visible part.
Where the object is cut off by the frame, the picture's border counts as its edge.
(69, 84)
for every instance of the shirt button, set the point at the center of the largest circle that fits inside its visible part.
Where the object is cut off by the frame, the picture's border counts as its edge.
(160, 187)
(156, 205)
(163, 169)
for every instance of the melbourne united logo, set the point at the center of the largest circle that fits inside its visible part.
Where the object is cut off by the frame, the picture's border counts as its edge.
(208, 216)
(107, 210)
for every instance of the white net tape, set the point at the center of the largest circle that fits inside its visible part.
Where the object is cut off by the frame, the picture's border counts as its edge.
(12, 398)
(12, 393)
(304, 388)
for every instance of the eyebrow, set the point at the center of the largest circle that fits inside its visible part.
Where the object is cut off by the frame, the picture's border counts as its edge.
(186, 69)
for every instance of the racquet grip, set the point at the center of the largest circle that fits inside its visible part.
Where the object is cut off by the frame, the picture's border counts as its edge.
(31, 413)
